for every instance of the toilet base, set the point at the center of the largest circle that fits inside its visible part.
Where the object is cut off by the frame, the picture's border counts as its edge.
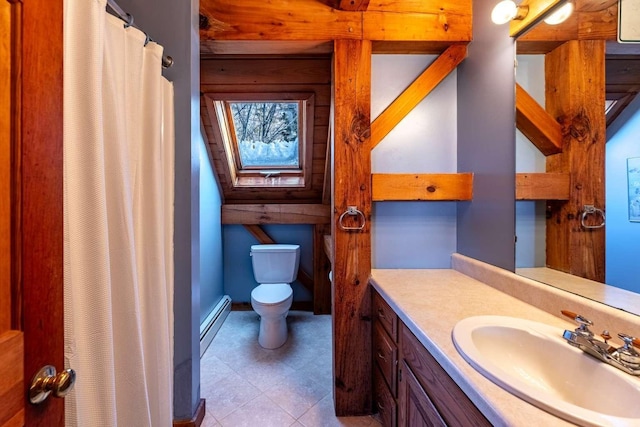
(273, 331)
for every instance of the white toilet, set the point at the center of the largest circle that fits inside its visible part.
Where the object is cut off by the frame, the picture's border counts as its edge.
(274, 268)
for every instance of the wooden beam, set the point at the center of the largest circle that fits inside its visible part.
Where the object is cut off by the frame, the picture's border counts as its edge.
(264, 239)
(378, 25)
(590, 21)
(276, 214)
(353, 5)
(543, 186)
(312, 20)
(321, 269)
(453, 186)
(416, 92)
(538, 10)
(352, 249)
(536, 124)
(575, 79)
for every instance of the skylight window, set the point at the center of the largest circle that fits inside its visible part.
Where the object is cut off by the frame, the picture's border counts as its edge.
(267, 134)
(267, 137)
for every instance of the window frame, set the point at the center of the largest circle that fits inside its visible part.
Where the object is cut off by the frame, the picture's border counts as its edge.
(218, 106)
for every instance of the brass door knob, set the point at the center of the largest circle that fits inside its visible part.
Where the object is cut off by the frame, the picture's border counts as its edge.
(47, 381)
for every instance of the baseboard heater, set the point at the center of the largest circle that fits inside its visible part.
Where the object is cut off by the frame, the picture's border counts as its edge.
(213, 322)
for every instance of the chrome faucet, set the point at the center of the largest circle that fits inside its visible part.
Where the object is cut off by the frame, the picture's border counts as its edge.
(625, 358)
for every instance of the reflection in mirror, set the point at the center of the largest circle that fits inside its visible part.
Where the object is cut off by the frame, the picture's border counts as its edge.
(622, 240)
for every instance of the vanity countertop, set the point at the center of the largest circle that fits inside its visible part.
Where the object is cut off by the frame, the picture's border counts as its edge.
(431, 302)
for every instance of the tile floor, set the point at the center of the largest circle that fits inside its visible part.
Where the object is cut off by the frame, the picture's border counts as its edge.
(246, 385)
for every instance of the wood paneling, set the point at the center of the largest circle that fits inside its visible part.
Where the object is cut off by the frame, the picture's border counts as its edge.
(276, 214)
(352, 249)
(268, 75)
(575, 77)
(536, 124)
(12, 394)
(455, 186)
(543, 186)
(5, 165)
(416, 92)
(265, 71)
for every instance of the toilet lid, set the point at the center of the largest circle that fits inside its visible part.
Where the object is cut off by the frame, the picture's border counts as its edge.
(272, 293)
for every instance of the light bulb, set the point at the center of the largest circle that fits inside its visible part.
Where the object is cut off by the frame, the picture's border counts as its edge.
(560, 15)
(504, 12)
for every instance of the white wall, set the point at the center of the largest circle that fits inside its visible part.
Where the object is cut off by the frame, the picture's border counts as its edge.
(530, 215)
(414, 234)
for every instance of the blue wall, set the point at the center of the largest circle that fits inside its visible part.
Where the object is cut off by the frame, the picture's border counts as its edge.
(486, 142)
(413, 234)
(238, 271)
(211, 269)
(531, 222)
(623, 236)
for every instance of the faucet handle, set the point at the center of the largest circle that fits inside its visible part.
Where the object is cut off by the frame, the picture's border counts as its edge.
(628, 355)
(582, 321)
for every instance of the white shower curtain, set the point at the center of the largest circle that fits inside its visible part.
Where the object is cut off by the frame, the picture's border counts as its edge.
(118, 206)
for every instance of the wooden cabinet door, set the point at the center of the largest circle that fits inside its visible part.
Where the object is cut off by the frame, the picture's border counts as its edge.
(31, 246)
(415, 407)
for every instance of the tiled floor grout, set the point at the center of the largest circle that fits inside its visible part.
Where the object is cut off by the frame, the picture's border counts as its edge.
(246, 385)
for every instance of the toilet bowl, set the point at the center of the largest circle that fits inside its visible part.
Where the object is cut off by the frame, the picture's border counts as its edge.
(272, 303)
(274, 268)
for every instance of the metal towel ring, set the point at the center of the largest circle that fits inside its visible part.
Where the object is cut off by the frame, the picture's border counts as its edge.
(591, 210)
(352, 211)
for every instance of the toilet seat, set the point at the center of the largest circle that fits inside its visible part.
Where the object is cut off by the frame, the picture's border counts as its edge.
(272, 293)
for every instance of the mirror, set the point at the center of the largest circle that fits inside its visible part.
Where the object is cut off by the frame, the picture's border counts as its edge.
(623, 120)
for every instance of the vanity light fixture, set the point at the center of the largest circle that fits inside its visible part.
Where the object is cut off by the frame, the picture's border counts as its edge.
(560, 15)
(506, 11)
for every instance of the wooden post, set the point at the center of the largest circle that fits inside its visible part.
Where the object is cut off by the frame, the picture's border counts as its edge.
(352, 248)
(575, 77)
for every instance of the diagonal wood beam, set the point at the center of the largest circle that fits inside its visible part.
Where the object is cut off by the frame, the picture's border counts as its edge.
(264, 239)
(538, 10)
(416, 92)
(536, 124)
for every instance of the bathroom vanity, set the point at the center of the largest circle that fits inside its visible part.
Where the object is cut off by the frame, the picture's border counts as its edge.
(417, 371)
(410, 388)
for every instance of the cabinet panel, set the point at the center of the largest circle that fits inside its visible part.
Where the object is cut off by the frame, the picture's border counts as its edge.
(383, 400)
(416, 409)
(385, 354)
(385, 315)
(450, 401)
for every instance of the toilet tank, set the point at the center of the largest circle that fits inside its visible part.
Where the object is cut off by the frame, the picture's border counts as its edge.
(275, 263)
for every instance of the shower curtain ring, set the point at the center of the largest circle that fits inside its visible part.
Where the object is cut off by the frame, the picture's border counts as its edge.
(129, 22)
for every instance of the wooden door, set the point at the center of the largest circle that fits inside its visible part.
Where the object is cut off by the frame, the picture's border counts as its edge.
(11, 339)
(31, 246)
(415, 407)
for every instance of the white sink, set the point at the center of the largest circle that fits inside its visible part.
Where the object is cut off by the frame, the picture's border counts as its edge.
(532, 361)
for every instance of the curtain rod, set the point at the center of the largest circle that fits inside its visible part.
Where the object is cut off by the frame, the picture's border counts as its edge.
(167, 61)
